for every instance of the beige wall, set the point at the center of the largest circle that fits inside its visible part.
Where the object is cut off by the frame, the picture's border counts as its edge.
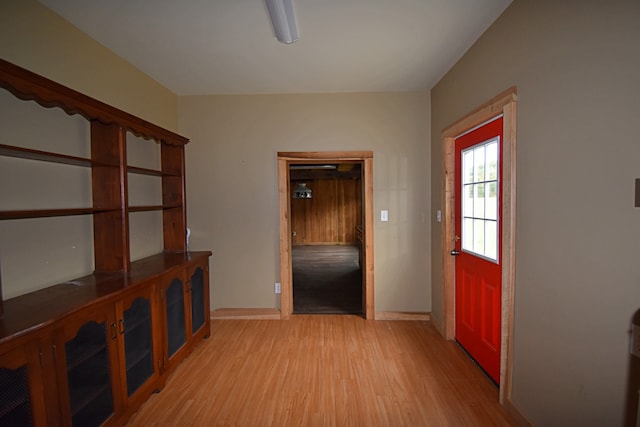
(576, 65)
(35, 253)
(232, 185)
(34, 37)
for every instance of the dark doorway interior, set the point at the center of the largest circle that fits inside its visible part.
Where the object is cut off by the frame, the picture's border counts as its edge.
(327, 279)
(326, 215)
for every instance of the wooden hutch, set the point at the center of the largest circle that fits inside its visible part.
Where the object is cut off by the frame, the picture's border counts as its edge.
(90, 351)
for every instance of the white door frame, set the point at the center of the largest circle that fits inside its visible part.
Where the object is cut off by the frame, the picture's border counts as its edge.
(504, 104)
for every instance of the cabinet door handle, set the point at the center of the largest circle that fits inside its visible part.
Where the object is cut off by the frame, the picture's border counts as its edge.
(114, 328)
(121, 322)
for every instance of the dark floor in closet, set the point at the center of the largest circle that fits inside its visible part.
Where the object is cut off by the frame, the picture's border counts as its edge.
(326, 280)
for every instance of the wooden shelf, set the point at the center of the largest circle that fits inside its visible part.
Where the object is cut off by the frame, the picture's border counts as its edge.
(148, 208)
(135, 357)
(79, 357)
(86, 395)
(44, 213)
(26, 153)
(10, 406)
(150, 172)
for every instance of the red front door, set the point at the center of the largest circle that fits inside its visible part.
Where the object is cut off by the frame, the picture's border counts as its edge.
(478, 237)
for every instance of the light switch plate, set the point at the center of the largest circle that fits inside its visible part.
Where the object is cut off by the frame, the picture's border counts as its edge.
(384, 216)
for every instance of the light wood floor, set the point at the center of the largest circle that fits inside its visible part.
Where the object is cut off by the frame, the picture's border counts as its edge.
(325, 370)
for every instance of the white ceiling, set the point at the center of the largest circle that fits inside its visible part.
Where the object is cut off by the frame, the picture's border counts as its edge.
(196, 47)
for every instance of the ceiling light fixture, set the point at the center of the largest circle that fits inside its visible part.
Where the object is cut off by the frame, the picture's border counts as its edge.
(283, 19)
(302, 191)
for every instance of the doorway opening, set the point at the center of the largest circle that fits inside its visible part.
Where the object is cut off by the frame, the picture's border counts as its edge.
(343, 239)
(326, 212)
(505, 105)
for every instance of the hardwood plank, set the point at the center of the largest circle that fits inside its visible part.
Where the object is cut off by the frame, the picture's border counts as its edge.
(325, 370)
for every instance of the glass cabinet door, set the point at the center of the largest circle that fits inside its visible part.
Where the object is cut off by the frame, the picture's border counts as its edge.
(138, 344)
(197, 300)
(89, 375)
(15, 402)
(21, 394)
(176, 325)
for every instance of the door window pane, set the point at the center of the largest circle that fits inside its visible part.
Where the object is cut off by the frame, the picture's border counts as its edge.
(479, 163)
(467, 234)
(490, 243)
(491, 207)
(478, 200)
(492, 161)
(467, 167)
(480, 187)
(467, 204)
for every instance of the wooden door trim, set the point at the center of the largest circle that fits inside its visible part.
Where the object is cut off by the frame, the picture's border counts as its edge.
(504, 104)
(286, 281)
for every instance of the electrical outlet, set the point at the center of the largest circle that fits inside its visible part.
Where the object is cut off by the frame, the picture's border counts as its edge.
(277, 287)
(635, 340)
